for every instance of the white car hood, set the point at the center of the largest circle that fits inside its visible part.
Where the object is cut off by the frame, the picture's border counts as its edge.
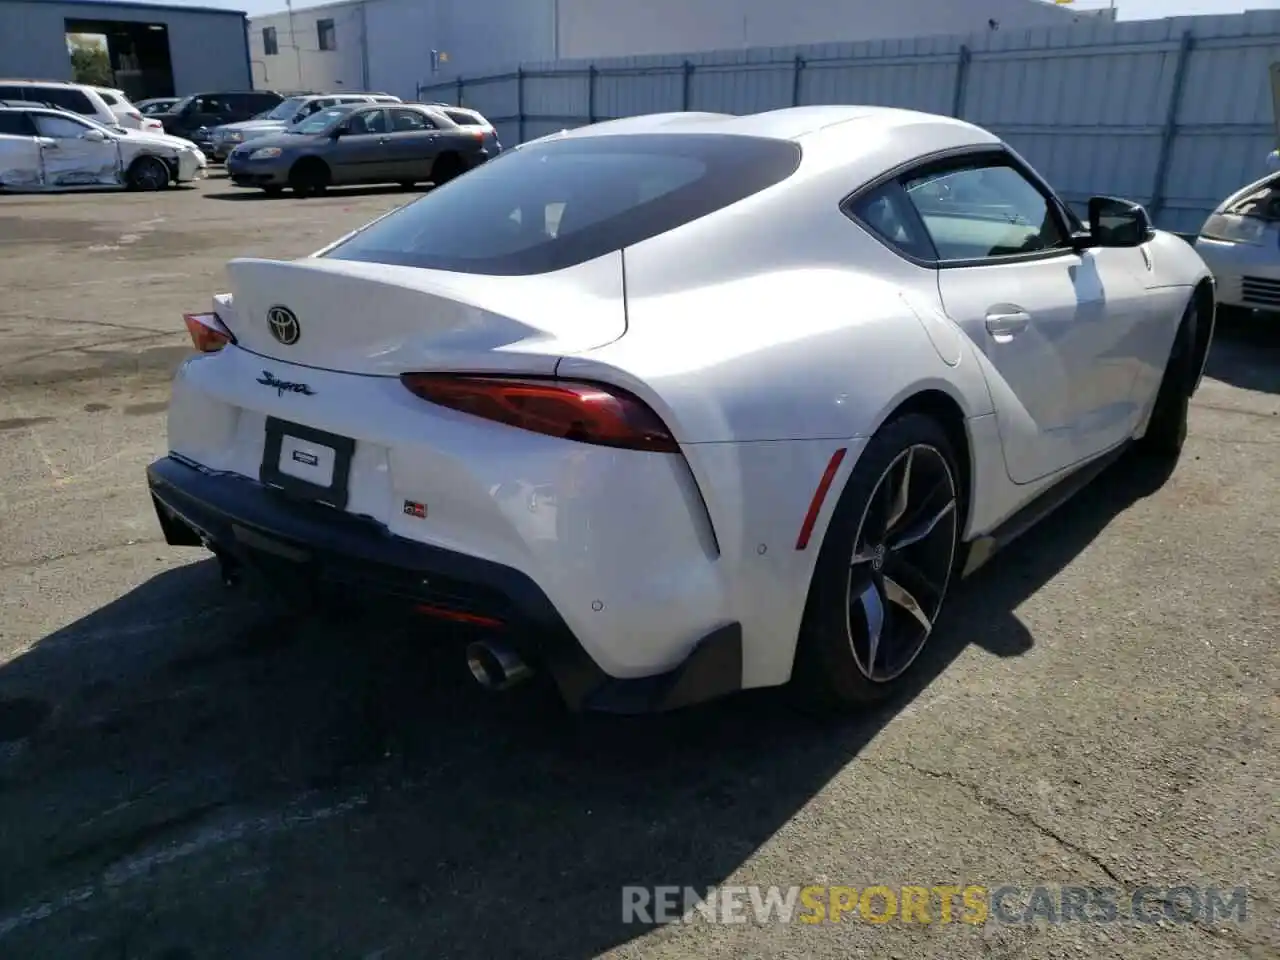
(148, 138)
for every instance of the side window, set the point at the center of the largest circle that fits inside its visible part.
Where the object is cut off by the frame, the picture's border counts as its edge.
(15, 124)
(63, 128)
(371, 121)
(110, 99)
(270, 43)
(12, 93)
(887, 213)
(976, 213)
(67, 98)
(407, 121)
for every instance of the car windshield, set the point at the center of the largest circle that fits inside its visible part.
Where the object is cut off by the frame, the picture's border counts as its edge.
(320, 122)
(1260, 204)
(285, 109)
(562, 202)
(181, 104)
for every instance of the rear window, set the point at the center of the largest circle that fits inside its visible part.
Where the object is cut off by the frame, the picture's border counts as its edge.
(552, 205)
(110, 99)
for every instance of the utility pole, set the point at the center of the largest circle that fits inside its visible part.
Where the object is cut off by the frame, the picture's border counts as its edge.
(293, 42)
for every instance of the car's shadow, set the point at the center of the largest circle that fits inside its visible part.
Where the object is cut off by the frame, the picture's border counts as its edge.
(180, 707)
(1246, 351)
(335, 193)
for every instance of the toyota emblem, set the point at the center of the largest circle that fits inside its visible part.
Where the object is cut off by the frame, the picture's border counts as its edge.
(284, 325)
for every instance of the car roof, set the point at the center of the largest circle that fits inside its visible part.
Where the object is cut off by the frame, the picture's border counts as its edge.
(788, 123)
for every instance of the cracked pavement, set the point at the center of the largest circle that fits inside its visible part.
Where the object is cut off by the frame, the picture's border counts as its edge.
(190, 772)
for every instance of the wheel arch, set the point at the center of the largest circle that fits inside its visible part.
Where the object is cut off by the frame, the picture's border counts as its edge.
(945, 410)
(311, 161)
(1205, 301)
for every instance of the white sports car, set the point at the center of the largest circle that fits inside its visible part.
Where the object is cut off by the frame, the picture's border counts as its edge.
(677, 405)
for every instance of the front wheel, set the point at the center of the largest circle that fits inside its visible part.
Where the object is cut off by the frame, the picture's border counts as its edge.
(884, 568)
(309, 177)
(148, 173)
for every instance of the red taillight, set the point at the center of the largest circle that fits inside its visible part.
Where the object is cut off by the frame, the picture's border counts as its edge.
(586, 412)
(208, 334)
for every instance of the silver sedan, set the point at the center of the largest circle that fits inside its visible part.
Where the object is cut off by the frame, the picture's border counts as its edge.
(1240, 243)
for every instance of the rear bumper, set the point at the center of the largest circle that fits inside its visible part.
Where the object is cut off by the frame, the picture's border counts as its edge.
(262, 529)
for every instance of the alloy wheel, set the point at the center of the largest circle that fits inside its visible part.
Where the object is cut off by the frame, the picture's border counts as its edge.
(901, 565)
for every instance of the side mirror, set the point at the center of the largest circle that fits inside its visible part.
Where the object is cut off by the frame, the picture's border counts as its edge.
(93, 136)
(1114, 222)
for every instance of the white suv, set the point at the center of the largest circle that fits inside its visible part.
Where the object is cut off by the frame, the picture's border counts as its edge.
(127, 115)
(74, 97)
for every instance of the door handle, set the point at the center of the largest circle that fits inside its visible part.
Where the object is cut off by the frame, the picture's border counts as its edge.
(1004, 324)
(384, 139)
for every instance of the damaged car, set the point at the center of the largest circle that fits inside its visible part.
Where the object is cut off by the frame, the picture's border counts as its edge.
(49, 149)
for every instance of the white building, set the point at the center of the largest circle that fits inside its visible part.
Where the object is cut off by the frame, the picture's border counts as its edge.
(395, 45)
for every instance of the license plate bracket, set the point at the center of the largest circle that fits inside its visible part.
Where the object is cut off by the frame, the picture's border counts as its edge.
(307, 463)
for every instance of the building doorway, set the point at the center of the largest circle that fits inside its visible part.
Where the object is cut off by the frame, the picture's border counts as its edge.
(136, 59)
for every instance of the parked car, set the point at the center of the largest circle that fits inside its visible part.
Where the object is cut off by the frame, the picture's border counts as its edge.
(779, 391)
(79, 99)
(47, 149)
(156, 105)
(358, 144)
(227, 137)
(194, 117)
(1240, 241)
(473, 119)
(127, 114)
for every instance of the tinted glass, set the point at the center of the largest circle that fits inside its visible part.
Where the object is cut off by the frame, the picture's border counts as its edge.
(982, 212)
(65, 97)
(464, 119)
(551, 205)
(15, 125)
(110, 99)
(886, 212)
(12, 93)
(406, 121)
(370, 121)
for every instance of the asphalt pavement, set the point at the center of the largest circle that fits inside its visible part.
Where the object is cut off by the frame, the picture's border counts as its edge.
(188, 771)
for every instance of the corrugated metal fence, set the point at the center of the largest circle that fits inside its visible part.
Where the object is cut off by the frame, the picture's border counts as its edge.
(1171, 113)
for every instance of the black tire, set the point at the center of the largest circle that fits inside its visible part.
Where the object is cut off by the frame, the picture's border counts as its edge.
(447, 167)
(1167, 428)
(882, 553)
(149, 173)
(309, 177)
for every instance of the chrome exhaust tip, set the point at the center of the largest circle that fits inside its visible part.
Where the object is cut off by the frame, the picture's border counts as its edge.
(495, 666)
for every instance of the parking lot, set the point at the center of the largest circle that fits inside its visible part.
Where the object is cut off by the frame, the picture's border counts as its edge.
(189, 772)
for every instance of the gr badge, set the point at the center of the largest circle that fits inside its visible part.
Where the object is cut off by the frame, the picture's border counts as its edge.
(413, 509)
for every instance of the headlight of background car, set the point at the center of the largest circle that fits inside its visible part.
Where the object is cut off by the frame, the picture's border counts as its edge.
(1231, 228)
(235, 136)
(265, 153)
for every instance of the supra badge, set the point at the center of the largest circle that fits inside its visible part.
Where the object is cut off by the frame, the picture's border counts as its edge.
(284, 325)
(269, 379)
